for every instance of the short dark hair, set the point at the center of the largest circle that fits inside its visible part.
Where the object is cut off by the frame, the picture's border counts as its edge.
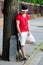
(24, 7)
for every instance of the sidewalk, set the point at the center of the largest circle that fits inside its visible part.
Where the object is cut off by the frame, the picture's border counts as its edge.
(36, 58)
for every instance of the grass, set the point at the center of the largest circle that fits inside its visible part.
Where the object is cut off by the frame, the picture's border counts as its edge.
(38, 46)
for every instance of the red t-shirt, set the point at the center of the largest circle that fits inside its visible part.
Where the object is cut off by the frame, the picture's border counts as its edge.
(23, 22)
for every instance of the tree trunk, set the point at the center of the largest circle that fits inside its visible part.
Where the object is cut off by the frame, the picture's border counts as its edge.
(7, 30)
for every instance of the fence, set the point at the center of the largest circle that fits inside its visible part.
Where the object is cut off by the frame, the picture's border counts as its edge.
(33, 9)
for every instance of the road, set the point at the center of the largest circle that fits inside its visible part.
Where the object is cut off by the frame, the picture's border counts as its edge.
(1, 34)
(36, 27)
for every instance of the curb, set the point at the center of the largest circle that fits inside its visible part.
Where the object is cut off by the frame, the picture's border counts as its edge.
(33, 54)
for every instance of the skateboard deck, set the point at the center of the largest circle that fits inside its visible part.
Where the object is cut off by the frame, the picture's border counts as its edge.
(13, 48)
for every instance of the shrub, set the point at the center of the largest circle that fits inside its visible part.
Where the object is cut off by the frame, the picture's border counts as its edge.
(33, 1)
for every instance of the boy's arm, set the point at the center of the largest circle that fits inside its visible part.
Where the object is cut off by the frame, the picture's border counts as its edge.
(28, 27)
(17, 25)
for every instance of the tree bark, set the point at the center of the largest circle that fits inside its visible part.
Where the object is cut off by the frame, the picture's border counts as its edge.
(7, 30)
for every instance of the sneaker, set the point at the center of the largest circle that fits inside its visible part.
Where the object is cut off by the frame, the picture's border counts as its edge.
(23, 59)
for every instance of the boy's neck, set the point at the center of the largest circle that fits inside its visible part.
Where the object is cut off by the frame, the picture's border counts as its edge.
(24, 15)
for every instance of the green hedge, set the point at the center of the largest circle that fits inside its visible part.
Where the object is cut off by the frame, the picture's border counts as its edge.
(33, 1)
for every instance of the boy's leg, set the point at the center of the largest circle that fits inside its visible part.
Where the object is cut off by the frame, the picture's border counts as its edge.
(22, 41)
(30, 39)
(23, 50)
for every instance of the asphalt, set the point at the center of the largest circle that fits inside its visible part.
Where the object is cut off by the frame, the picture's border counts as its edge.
(36, 28)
